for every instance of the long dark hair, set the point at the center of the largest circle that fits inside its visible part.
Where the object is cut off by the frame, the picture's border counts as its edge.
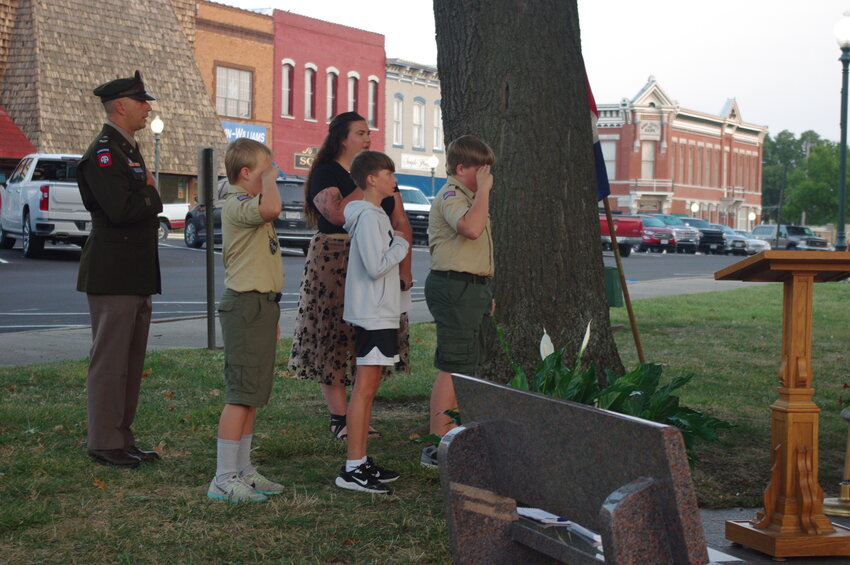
(329, 151)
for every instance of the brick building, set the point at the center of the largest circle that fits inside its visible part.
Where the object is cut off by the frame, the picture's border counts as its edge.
(234, 50)
(322, 69)
(414, 133)
(664, 158)
(53, 53)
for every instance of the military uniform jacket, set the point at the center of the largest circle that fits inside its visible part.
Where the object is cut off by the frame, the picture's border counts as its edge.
(121, 256)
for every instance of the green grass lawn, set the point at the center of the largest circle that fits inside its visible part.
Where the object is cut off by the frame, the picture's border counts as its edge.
(58, 507)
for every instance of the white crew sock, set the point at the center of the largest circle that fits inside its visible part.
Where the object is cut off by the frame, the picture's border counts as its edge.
(243, 459)
(351, 464)
(227, 452)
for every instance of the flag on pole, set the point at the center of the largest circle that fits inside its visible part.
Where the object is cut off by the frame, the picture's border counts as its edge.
(603, 189)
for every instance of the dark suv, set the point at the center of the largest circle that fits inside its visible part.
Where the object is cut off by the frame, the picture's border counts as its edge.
(292, 230)
(711, 239)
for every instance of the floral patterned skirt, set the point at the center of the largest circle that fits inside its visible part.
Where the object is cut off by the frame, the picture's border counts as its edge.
(323, 345)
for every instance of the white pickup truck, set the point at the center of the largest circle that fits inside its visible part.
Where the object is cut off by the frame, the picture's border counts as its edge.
(41, 202)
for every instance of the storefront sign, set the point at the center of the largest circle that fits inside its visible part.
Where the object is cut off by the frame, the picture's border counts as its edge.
(304, 160)
(410, 162)
(234, 130)
(650, 131)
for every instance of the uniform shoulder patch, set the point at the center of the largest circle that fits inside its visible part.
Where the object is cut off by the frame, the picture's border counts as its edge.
(449, 193)
(104, 157)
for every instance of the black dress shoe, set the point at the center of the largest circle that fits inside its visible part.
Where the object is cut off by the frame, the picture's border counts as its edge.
(143, 455)
(117, 457)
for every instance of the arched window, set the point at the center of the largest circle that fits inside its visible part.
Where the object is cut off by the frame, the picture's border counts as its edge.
(418, 123)
(353, 85)
(372, 111)
(398, 119)
(332, 83)
(310, 92)
(287, 74)
(438, 126)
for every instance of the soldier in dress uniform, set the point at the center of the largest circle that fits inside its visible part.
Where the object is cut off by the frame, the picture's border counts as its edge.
(119, 269)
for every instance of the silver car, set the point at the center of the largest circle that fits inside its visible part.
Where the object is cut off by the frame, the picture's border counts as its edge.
(754, 245)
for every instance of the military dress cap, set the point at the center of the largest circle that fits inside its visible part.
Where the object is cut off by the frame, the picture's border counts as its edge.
(130, 87)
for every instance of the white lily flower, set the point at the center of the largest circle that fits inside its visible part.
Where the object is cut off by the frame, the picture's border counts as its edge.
(546, 347)
(585, 341)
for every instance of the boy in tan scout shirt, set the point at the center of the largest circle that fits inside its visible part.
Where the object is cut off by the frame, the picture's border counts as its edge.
(249, 314)
(457, 290)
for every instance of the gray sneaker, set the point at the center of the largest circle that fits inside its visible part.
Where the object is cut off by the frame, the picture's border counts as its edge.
(234, 489)
(429, 456)
(261, 484)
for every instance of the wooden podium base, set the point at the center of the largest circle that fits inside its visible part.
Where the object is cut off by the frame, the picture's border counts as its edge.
(794, 545)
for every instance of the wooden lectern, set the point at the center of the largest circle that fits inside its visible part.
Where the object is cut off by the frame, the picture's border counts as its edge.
(792, 523)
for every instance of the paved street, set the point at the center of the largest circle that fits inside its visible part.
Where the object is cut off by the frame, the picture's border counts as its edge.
(39, 294)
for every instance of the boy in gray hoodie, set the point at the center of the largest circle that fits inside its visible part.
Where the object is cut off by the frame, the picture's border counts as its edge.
(372, 306)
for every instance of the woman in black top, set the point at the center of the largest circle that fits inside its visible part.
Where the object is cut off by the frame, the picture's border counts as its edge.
(323, 345)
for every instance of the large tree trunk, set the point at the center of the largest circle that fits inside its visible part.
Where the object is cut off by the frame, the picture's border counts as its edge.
(512, 73)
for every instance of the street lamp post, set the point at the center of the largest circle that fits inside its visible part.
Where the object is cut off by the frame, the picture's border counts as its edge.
(694, 208)
(842, 35)
(156, 127)
(433, 161)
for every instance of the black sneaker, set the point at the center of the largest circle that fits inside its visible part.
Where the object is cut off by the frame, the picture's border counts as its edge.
(428, 458)
(383, 475)
(361, 479)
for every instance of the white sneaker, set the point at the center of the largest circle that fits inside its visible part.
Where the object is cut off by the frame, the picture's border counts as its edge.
(261, 484)
(234, 489)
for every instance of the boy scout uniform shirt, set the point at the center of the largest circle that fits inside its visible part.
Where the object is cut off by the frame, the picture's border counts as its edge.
(250, 248)
(451, 251)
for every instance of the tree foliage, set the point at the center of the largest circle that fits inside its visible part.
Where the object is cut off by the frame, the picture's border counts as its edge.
(802, 173)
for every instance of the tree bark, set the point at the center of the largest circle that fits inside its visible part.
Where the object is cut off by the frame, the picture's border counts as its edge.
(512, 73)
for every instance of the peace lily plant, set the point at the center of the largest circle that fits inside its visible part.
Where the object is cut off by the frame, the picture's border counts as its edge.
(636, 393)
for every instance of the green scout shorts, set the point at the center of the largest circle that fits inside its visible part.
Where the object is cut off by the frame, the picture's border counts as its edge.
(249, 329)
(461, 311)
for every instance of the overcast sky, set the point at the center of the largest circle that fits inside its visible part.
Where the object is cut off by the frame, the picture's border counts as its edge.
(778, 58)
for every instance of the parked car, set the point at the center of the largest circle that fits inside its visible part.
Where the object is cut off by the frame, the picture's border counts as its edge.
(627, 229)
(41, 202)
(711, 240)
(734, 244)
(687, 238)
(754, 245)
(657, 236)
(292, 230)
(418, 208)
(801, 238)
(172, 217)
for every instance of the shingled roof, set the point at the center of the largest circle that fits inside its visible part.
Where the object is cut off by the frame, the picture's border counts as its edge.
(61, 49)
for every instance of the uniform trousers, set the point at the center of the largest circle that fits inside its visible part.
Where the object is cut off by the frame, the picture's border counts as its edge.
(119, 325)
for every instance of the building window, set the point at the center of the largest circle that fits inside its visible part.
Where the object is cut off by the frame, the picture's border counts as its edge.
(332, 89)
(309, 94)
(398, 113)
(286, 76)
(353, 82)
(373, 104)
(609, 152)
(438, 127)
(233, 92)
(418, 123)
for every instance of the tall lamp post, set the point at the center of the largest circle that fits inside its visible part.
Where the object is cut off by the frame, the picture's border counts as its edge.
(433, 161)
(156, 127)
(842, 35)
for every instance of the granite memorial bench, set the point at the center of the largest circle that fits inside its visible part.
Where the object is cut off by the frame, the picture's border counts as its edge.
(624, 478)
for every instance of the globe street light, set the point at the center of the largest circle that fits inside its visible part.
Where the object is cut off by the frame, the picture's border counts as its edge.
(842, 36)
(156, 127)
(694, 208)
(433, 161)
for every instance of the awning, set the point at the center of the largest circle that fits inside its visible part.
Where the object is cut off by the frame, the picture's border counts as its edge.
(13, 143)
